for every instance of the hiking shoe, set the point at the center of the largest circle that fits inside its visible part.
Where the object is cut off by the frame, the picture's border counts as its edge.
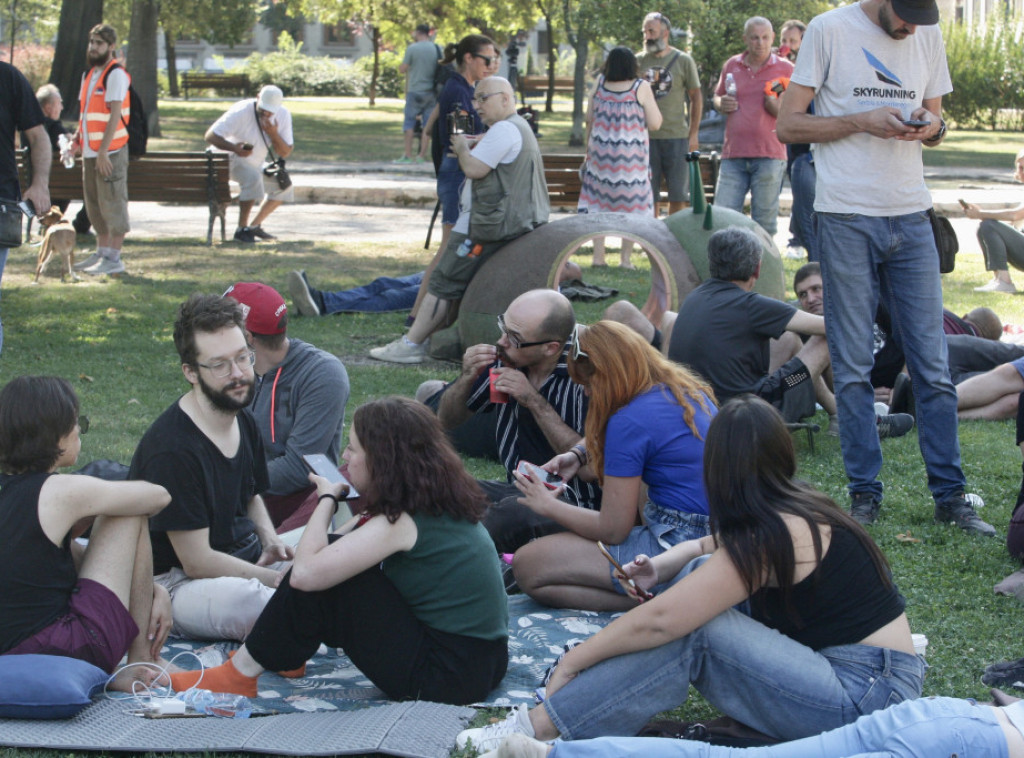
(257, 231)
(902, 398)
(958, 511)
(520, 746)
(996, 285)
(1001, 674)
(92, 260)
(864, 507)
(833, 425)
(244, 234)
(105, 266)
(400, 351)
(302, 294)
(894, 425)
(490, 737)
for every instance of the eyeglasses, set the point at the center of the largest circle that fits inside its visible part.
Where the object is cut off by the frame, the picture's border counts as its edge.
(514, 340)
(490, 60)
(83, 424)
(220, 369)
(575, 350)
(483, 98)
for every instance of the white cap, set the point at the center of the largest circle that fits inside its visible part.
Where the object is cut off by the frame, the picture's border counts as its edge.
(270, 98)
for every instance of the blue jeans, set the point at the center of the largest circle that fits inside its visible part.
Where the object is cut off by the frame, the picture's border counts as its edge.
(864, 258)
(926, 728)
(970, 356)
(384, 293)
(755, 674)
(762, 177)
(449, 183)
(3, 262)
(802, 179)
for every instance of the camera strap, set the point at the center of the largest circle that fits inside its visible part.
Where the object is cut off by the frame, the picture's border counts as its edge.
(270, 150)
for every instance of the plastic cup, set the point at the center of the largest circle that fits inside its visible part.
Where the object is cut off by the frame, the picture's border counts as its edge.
(497, 396)
(920, 644)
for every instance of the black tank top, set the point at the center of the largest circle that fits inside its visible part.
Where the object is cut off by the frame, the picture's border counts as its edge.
(37, 576)
(840, 603)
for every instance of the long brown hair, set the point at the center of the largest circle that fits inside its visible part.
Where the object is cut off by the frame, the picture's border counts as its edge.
(412, 466)
(619, 366)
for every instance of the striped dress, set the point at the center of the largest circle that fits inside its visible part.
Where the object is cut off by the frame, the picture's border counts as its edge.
(617, 174)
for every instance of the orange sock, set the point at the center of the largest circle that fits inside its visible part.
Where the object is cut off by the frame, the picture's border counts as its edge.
(293, 674)
(223, 678)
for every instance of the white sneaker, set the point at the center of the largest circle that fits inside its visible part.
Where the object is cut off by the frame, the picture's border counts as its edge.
(996, 285)
(400, 352)
(105, 266)
(520, 746)
(488, 738)
(92, 260)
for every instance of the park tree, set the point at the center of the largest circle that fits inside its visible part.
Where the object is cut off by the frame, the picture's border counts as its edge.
(77, 17)
(141, 62)
(219, 22)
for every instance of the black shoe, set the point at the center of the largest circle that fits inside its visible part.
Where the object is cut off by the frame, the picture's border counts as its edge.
(508, 577)
(303, 295)
(902, 398)
(244, 234)
(864, 507)
(958, 511)
(1005, 673)
(894, 425)
(258, 232)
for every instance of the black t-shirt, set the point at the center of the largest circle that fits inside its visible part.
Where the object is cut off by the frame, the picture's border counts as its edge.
(19, 110)
(723, 333)
(208, 490)
(889, 358)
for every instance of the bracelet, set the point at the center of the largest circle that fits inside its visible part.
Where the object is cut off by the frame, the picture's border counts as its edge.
(939, 134)
(332, 497)
(580, 451)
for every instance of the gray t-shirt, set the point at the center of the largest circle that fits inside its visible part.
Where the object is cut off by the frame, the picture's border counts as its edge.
(854, 66)
(421, 58)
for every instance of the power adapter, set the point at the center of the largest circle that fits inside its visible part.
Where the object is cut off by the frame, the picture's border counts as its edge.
(166, 706)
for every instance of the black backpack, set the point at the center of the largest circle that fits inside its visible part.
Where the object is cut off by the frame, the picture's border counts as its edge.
(137, 126)
(442, 72)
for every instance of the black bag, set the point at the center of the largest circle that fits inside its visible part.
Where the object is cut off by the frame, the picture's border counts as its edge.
(945, 241)
(11, 219)
(276, 170)
(442, 72)
(137, 126)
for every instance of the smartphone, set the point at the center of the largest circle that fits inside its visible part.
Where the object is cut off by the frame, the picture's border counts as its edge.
(915, 122)
(247, 146)
(537, 474)
(321, 465)
(28, 208)
(644, 594)
(964, 203)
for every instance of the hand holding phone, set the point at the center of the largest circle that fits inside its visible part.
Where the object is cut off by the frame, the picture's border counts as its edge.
(964, 204)
(916, 123)
(321, 465)
(642, 594)
(535, 473)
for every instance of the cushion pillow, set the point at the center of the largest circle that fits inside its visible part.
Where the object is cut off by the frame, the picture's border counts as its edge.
(46, 686)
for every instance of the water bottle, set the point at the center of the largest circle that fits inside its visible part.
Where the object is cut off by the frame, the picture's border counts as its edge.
(66, 153)
(730, 85)
(464, 248)
(220, 704)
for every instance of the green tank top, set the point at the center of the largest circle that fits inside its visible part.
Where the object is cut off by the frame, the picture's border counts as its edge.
(451, 579)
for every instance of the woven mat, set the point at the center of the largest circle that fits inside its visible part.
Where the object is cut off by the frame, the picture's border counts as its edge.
(417, 730)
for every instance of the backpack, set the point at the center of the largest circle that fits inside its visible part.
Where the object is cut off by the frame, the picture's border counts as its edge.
(442, 72)
(137, 126)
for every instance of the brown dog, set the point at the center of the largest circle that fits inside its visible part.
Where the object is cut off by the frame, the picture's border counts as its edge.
(59, 238)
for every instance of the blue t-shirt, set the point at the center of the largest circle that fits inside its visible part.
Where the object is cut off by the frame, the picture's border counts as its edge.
(649, 438)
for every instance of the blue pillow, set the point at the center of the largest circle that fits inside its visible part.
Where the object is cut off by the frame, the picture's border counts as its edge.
(46, 686)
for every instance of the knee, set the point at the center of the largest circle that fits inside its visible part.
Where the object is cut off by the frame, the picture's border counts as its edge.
(526, 567)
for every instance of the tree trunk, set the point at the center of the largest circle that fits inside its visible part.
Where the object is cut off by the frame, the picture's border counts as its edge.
(548, 104)
(376, 66)
(578, 90)
(141, 63)
(77, 17)
(172, 65)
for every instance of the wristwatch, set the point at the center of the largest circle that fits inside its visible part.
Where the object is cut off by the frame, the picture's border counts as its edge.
(939, 134)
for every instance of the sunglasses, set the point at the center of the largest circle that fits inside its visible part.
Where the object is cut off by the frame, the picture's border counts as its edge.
(575, 350)
(490, 60)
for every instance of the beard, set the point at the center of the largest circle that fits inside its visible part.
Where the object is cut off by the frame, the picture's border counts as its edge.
(221, 400)
(885, 20)
(95, 59)
(656, 45)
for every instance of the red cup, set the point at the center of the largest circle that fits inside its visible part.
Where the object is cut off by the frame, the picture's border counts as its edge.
(497, 396)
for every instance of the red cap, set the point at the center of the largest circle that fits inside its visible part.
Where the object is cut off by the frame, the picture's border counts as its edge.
(263, 307)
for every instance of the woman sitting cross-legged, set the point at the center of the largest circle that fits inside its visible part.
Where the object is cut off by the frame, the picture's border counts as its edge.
(411, 590)
(792, 625)
(645, 425)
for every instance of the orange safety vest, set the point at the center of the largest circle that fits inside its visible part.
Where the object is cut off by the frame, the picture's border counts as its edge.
(96, 113)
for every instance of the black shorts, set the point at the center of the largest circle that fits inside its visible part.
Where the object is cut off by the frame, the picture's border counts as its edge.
(790, 390)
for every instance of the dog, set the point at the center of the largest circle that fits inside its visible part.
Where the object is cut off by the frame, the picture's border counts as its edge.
(59, 238)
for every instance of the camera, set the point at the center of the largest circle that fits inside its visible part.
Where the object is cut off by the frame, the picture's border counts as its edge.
(460, 122)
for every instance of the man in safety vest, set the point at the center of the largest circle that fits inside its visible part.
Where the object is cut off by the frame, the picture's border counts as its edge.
(103, 138)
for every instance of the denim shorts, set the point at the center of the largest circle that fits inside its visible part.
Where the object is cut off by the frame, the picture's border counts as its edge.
(449, 182)
(663, 528)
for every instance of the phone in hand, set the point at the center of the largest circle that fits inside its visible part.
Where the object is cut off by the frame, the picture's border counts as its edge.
(321, 465)
(536, 473)
(915, 123)
(246, 146)
(644, 594)
(28, 208)
(964, 203)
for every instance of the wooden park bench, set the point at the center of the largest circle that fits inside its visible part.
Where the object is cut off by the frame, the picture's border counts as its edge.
(538, 85)
(562, 173)
(201, 80)
(190, 178)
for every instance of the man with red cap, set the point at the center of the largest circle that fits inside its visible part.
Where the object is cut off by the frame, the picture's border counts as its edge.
(299, 402)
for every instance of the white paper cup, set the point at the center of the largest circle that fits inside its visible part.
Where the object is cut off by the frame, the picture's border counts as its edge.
(920, 644)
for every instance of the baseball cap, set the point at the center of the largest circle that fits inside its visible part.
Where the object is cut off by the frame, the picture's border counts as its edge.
(263, 307)
(918, 12)
(270, 98)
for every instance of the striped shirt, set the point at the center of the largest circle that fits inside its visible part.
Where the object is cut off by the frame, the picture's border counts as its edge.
(519, 436)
